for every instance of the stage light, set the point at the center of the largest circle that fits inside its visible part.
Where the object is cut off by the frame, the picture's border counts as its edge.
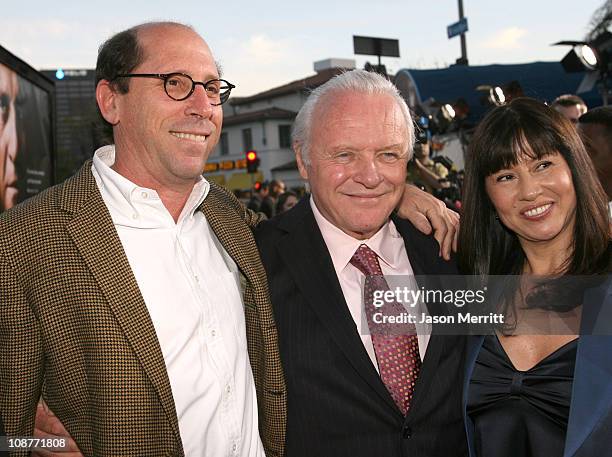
(448, 112)
(494, 95)
(594, 55)
(587, 56)
(497, 95)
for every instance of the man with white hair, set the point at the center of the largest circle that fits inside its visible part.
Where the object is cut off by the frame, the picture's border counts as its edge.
(350, 391)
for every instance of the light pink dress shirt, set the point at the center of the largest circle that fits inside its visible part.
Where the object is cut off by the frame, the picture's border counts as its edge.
(389, 245)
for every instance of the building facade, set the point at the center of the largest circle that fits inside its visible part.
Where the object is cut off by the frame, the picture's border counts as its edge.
(79, 129)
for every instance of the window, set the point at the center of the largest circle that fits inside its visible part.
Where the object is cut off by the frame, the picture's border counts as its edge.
(247, 139)
(223, 144)
(284, 136)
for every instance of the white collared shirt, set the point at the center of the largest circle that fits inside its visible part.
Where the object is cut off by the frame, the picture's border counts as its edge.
(191, 288)
(389, 245)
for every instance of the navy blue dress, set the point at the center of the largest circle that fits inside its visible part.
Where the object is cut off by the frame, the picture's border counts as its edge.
(520, 413)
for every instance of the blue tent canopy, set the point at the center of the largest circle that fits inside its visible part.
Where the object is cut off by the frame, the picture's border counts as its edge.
(542, 80)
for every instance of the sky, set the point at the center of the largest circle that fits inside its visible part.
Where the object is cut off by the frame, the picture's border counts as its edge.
(266, 43)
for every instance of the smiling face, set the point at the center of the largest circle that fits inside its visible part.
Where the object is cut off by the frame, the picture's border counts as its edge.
(358, 156)
(536, 199)
(8, 138)
(161, 141)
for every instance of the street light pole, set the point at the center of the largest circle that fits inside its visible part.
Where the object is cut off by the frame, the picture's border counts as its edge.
(464, 59)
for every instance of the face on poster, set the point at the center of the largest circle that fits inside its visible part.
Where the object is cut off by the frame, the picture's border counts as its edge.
(8, 137)
(25, 138)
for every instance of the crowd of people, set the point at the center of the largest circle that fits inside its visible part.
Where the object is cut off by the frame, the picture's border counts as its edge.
(272, 198)
(145, 311)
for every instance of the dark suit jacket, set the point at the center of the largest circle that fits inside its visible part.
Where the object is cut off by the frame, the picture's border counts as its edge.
(589, 429)
(337, 403)
(74, 326)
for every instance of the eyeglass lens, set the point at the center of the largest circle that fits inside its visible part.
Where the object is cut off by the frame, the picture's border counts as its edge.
(180, 87)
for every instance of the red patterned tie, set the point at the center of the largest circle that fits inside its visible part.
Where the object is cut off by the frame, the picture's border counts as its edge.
(397, 355)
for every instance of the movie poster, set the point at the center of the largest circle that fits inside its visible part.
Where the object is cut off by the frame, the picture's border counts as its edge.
(25, 139)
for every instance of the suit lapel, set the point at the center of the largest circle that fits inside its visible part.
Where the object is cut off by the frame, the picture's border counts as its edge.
(95, 237)
(592, 389)
(238, 242)
(305, 254)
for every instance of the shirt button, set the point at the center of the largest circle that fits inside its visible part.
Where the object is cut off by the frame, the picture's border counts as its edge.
(406, 432)
(135, 216)
(228, 389)
(234, 447)
(213, 333)
(144, 195)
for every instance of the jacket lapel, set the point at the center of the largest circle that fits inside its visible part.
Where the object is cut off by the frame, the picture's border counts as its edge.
(592, 389)
(305, 254)
(95, 237)
(238, 242)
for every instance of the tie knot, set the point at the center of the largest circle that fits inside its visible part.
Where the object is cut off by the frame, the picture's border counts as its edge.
(366, 261)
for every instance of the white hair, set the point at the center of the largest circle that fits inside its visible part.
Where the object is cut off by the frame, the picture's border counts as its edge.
(356, 81)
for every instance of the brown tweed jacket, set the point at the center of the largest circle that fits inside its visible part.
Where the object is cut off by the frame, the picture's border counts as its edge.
(74, 326)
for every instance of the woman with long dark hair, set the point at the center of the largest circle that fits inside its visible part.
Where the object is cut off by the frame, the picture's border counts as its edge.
(533, 208)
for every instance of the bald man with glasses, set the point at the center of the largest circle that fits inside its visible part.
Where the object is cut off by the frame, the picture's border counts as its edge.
(122, 289)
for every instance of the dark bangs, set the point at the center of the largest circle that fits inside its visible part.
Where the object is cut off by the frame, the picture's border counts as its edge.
(512, 132)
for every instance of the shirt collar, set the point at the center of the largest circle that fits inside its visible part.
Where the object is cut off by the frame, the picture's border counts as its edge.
(122, 191)
(342, 246)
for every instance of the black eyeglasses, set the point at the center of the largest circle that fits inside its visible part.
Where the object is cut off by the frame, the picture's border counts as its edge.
(179, 86)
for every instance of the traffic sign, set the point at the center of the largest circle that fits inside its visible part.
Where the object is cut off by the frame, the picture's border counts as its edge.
(457, 28)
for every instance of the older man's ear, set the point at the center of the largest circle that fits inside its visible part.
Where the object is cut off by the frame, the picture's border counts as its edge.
(301, 163)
